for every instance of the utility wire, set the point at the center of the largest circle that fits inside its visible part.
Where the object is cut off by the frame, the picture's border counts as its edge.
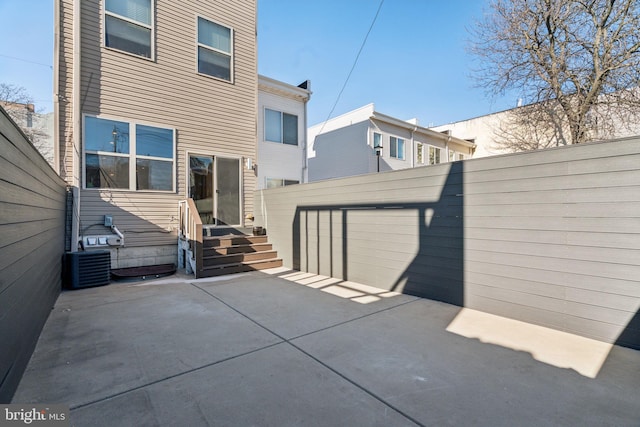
(26, 60)
(352, 67)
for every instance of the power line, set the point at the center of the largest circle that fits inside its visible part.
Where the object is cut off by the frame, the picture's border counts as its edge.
(26, 60)
(353, 66)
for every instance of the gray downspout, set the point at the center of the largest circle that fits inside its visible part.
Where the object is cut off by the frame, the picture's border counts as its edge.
(76, 173)
(305, 171)
(56, 87)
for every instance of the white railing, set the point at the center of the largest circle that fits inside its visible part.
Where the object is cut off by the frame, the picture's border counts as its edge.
(191, 233)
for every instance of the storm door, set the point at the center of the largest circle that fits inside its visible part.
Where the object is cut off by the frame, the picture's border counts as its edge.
(214, 185)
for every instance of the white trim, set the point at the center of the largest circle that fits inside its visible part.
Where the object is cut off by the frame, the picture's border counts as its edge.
(440, 149)
(404, 151)
(132, 156)
(151, 27)
(230, 54)
(214, 155)
(264, 126)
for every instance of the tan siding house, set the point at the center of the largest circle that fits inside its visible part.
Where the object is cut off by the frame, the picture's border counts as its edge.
(157, 102)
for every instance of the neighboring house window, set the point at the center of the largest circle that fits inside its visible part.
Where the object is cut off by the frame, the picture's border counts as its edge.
(460, 156)
(434, 155)
(377, 140)
(280, 127)
(277, 182)
(420, 153)
(128, 155)
(396, 147)
(215, 49)
(452, 156)
(128, 26)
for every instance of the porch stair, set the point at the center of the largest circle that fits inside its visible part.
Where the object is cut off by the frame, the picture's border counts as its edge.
(236, 254)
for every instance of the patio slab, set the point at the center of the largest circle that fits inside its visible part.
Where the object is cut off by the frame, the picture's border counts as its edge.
(258, 349)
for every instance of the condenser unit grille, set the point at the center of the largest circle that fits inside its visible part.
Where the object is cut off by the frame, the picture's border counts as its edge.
(87, 269)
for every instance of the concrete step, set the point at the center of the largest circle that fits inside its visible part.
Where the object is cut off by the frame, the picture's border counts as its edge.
(238, 258)
(222, 269)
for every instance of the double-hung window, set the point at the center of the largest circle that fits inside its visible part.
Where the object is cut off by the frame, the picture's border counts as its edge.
(434, 155)
(128, 155)
(215, 49)
(396, 147)
(128, 26)
(280, 127)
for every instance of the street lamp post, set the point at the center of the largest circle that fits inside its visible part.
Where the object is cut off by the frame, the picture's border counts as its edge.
(377, 145)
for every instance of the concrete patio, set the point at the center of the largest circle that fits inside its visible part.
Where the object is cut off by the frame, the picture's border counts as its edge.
(284, 348)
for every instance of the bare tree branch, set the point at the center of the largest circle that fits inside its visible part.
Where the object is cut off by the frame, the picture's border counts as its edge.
(576, 62)
(19, 105)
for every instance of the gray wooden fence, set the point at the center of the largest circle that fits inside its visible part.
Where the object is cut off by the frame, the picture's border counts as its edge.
(549, 237)
(32, 226)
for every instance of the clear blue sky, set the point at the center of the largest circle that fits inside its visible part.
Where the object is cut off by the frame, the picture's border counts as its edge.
(414, 63)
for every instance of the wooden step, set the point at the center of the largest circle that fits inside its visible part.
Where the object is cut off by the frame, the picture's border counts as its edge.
(222, 269)
(223, 241)
(238, 258)
(237, 249)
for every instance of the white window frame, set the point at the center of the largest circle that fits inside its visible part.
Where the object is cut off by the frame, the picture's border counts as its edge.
(132, 156)
(151, 27)
(420, 153)
(439, 150)
(393, 140)
(282, 182)
(229, 54)
(282, 113)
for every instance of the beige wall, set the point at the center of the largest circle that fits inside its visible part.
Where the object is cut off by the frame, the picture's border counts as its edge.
(210, 116)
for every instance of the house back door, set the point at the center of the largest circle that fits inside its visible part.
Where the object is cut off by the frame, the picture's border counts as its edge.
(214, 185)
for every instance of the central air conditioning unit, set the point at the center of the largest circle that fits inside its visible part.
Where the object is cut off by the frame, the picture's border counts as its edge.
(87, 269)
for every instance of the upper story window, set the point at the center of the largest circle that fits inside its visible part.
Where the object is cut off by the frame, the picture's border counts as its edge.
(420, 153)
(128, 26)
(377, 143)
(434, 155)
(215, 49)
(280, 127)
(396, 147)
(128, 155)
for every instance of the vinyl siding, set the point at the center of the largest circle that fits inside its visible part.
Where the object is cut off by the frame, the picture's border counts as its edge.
(280, 160)
(549, 237)
(210, 116)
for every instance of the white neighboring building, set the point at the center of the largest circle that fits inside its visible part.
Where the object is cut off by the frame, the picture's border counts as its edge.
(483, 130)
(347, 145)
(282, 142)
(480, 130)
